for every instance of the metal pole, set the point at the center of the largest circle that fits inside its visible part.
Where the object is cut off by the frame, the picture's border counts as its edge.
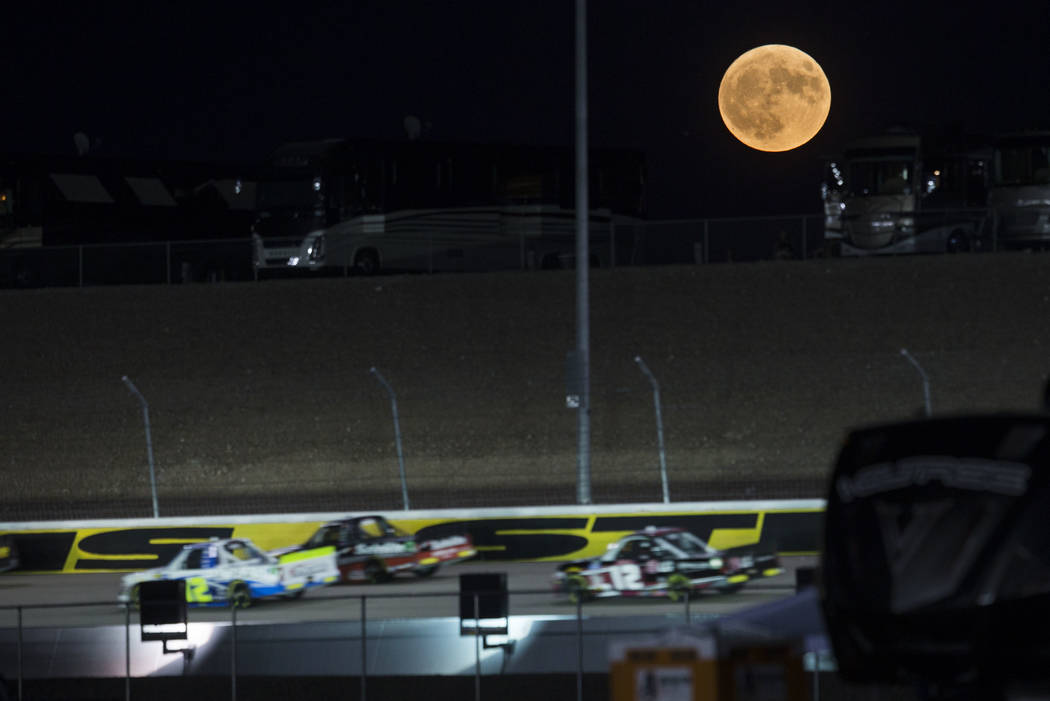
(149, 443)
(233, 653)
(583, 323)
(477, 649)
(579, 649)
(816, 675)
(19, 653)
(659, 426)
(397, 434)
(127, 652)
(688, 618)
(707, 244)
(805, 243)
(364, 651)
(925, 379)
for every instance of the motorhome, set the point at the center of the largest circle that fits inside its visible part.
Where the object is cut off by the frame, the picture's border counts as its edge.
(1019, 198)
(906, 193)
(365, 206)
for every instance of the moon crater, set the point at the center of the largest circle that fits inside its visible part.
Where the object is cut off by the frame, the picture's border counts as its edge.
(774, 98)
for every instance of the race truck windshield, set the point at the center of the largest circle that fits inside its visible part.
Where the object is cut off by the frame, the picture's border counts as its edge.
(688, 543)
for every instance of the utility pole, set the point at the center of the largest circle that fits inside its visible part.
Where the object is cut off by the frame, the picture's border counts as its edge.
(583, 324)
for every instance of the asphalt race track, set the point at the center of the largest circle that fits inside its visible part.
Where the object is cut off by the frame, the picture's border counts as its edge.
(79, 599)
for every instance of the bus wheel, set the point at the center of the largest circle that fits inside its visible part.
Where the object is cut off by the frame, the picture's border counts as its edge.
(958, 242)
(366, 262)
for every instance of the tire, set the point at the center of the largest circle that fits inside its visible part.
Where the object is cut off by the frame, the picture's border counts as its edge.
(376, 573)
(551, 261)
(240, 595)
(958, 242)
(731, 589)
(366, 262)
(576, 586)
(678, 587)
(424, 572)
(292, 596)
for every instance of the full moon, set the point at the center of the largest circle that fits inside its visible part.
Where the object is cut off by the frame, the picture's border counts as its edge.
(774, 98)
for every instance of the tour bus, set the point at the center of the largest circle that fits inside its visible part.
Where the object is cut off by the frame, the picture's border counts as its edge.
(62, 217)
(365, 206)
(906, 193)
(1019, 198)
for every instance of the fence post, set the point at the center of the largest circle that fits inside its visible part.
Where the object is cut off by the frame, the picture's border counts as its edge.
(364, 651)
(477, 649)
(127, 651)
(397, 434)
(579, 648)
(20, 673)
(659, 426)
(805, 238)
(233, 652)
(149, 443)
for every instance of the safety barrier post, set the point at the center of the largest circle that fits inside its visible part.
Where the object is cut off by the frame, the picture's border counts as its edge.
(659, 426)
(925, 379)
(149, 442)
(397, 435)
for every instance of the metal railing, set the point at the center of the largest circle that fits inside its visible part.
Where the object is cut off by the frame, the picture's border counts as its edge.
(237, 618)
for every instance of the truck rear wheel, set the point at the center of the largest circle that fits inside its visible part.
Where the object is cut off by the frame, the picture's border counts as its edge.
(366, 262)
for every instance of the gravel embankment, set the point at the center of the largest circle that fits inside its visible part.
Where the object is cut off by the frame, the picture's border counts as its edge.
(261, 399)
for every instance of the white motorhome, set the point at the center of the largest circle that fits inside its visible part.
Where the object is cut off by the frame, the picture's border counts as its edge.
(908, 194)
(1019, 197)
(367, 206)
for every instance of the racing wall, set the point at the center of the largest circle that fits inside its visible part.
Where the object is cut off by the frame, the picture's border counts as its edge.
(792, 527)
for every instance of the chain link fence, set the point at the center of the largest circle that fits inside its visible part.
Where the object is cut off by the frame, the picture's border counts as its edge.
(615, 242)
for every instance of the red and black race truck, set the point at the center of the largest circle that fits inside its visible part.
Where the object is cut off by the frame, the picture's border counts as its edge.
(371, 549)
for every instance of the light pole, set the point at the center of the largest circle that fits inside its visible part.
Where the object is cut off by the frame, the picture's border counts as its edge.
(149, 442)
(583, 350)
(659, 426)
(397, 434)
(925, 380)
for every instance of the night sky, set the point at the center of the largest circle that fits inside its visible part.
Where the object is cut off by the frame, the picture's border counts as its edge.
(232, 81)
